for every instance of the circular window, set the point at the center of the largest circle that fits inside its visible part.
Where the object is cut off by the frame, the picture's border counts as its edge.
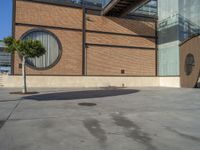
(189, 64)
(52, 46)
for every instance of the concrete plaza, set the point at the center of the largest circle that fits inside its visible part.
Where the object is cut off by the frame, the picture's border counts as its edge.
(120, 119)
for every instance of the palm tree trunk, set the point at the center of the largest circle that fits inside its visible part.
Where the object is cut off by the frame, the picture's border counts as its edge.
(24, 88)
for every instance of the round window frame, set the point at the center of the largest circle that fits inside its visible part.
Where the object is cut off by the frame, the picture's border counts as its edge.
(187, 71)
(59, 46)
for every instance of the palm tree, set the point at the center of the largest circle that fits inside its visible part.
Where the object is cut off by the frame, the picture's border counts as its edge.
(25, 49)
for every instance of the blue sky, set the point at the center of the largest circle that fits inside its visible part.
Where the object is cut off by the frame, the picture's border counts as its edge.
(5, 18)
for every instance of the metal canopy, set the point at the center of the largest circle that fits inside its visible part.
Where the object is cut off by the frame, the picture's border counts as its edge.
(120, 8)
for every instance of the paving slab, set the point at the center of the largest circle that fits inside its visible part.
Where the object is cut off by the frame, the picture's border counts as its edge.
(6, 108)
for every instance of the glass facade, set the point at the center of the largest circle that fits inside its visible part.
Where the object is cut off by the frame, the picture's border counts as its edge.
(89, 3)
(168, 38)
(149, 9)
(5, 60)
(96, 3)
(189, 18)
(177, 21)
(105, 2)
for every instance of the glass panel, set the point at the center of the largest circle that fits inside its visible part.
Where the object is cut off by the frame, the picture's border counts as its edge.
(189, 18)
(168, 40)
(5, 58)
(168, 58)
(63, 1)
(105, 2)
(149, 9)
(96, 3)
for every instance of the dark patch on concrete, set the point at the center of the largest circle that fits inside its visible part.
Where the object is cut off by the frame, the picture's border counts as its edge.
(133, 131)
(94, 127)
(23, 147)
(46, 124)
(190, 137)
(1, 123)
(87, 104)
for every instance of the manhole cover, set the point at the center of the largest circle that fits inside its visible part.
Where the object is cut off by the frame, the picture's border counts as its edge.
(87, 104)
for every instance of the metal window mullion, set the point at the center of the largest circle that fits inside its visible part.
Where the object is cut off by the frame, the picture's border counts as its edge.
(48, 50)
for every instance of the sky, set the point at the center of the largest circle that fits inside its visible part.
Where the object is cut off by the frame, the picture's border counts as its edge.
(5, 18)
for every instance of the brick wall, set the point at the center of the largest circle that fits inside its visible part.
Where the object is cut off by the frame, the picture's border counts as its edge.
(66, 24)
(111, 61)
(119, 25)
(109, 39)
(53, 16)
(71, 59)
(105, 58)
(50, 15)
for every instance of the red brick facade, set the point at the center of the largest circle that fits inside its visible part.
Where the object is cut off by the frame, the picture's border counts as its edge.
(114, 46)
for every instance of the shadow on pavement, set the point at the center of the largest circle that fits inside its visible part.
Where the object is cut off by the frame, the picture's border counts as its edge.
(73, 95)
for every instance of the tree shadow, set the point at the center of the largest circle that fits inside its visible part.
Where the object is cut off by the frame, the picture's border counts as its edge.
(75, 95)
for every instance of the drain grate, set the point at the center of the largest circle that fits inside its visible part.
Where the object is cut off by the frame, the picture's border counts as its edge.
(87, 104)
(1, 124)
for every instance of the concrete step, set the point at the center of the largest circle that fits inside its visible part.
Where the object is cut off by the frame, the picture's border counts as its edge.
(1, 81)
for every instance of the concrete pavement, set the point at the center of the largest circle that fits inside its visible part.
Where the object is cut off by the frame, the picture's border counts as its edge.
(128, 119)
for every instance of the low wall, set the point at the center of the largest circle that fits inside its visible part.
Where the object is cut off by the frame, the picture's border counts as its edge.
(97, 81)
(170, 82)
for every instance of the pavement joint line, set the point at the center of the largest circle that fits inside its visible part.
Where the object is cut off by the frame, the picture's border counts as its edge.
(46, 118)
(9, 100)
(10, 113)
(19, 101)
